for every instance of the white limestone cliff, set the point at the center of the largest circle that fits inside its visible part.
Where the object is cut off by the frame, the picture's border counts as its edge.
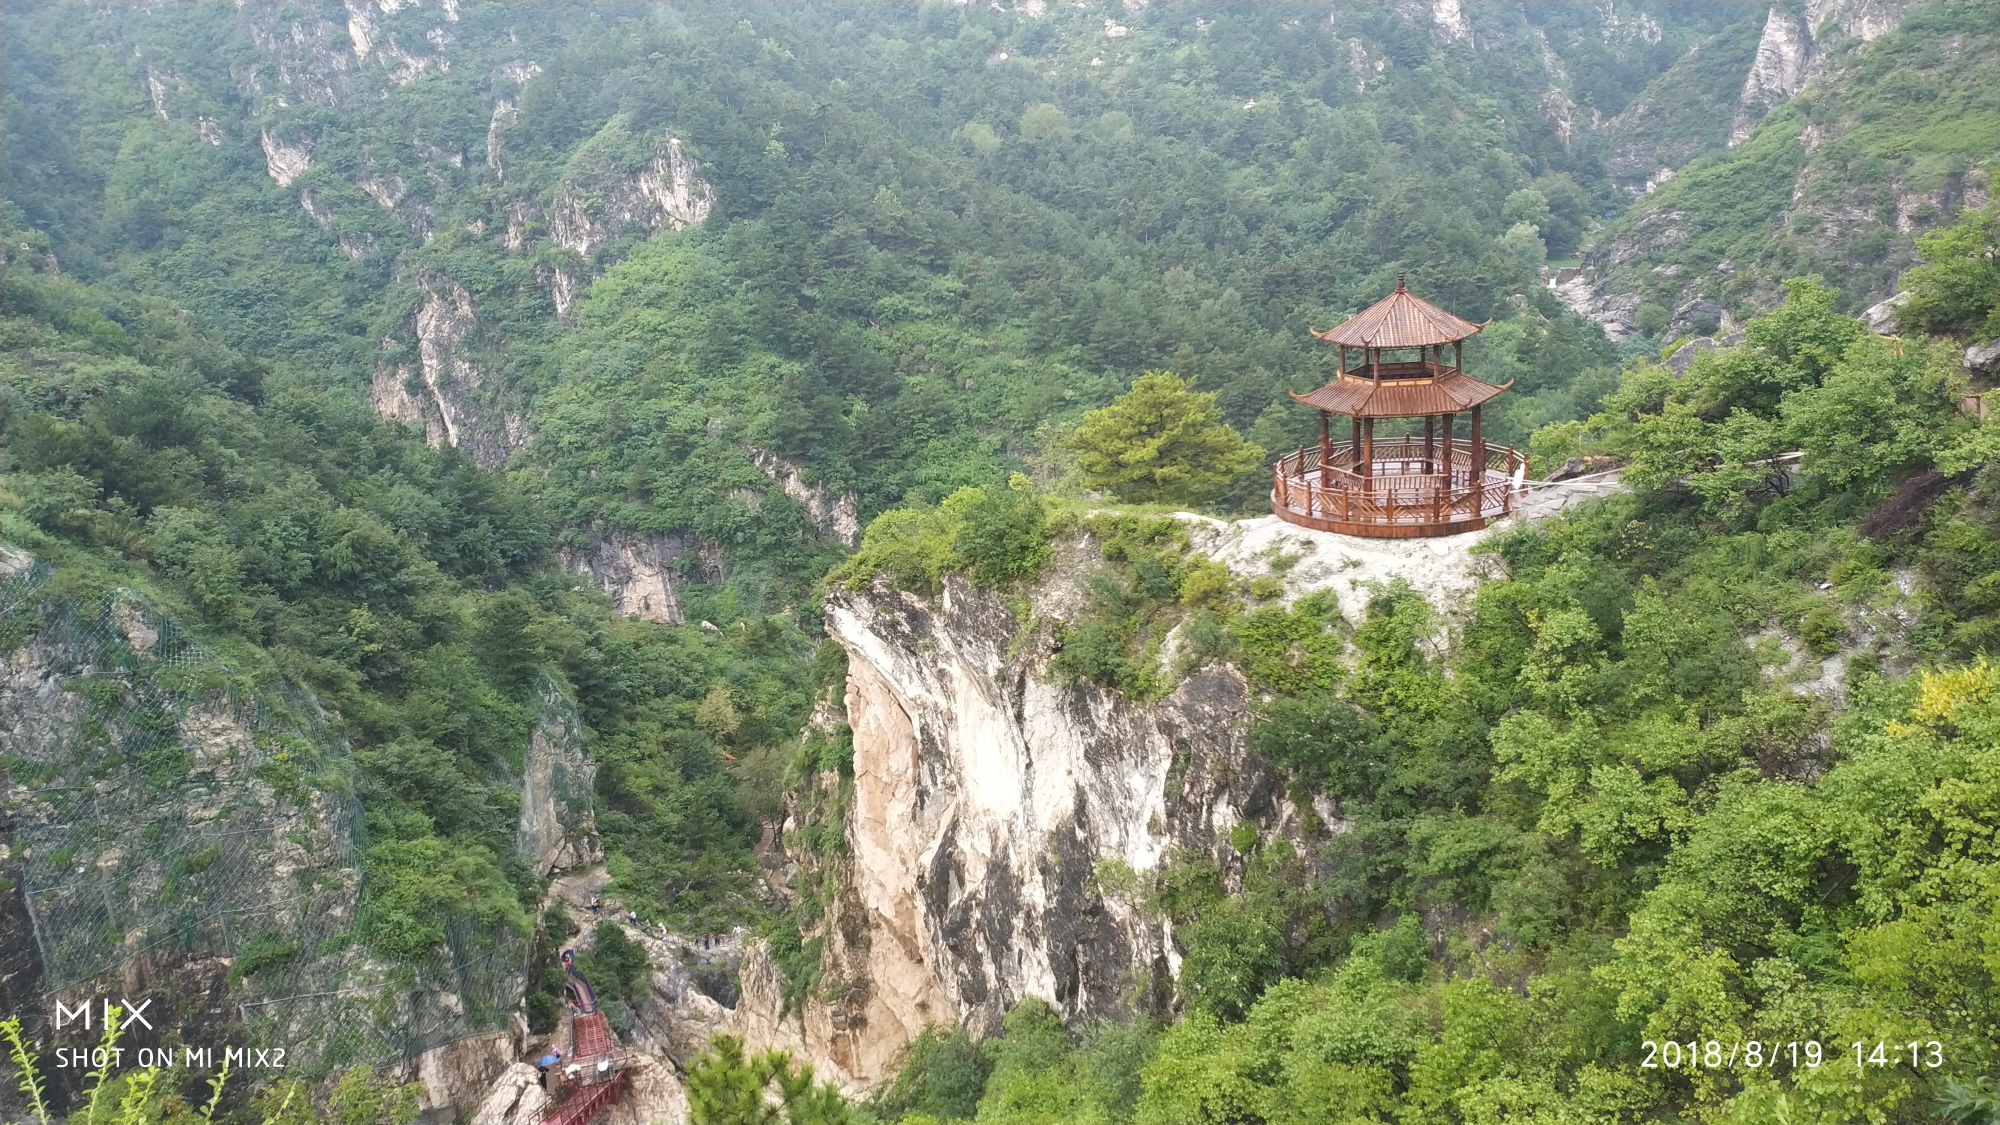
(1794, 49)
(989, 799)
(285, 162)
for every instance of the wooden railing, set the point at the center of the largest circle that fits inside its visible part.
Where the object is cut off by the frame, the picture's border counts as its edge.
(1402, 369)
(1403, 486)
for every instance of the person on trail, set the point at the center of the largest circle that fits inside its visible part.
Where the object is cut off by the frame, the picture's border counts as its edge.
(593, 904)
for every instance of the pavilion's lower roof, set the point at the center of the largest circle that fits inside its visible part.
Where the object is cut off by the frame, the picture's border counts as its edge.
(1449, 393)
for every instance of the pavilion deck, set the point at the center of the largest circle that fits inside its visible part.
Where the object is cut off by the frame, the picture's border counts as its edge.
(1402, 495)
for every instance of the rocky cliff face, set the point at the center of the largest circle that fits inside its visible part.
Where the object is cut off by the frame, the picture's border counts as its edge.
(641, 572)
(989, 800)
(450, 400)
(558, 829)
(836, 516)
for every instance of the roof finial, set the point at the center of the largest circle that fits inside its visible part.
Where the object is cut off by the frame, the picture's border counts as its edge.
(1399, 284)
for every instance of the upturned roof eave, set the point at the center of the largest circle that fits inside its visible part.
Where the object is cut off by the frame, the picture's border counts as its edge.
(1359, 399)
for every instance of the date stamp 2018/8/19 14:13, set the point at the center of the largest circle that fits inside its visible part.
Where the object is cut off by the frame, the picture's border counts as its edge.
(1757, 1054)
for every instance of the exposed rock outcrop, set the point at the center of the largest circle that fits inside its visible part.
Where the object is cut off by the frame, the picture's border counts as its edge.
(459, 1075)
(369, 38)
(601, 203)
(1794, 47)
(1786, 60)
(449, 407)
(557, 829)
(504, 117)
(1881, 316)
(994, 806)
(835, 516)
(1576, 287)
(639, 571)
(1446, 17)
(515, 1098)
(1556, 108)
(285, 162)
(302, 57)
(1449, 19)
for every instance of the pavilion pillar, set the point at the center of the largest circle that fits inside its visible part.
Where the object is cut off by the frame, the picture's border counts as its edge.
(1325, 451)
(1368, 452)
(1354, 444)
(1444, 450)
(1478, 465)
(1458, 355)
(1430, 442)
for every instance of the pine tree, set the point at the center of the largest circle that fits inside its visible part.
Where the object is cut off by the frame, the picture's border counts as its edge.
(1162, 442)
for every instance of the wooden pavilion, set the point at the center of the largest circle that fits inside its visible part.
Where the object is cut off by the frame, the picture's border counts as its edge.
(1406, 486)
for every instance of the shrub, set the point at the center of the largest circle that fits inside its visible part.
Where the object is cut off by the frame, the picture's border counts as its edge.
(1091, 652)
(995, 538)
(942, 1075)
(614, 964)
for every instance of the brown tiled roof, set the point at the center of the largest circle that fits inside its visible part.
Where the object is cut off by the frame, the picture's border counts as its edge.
(1449, 393)
(1400, 320)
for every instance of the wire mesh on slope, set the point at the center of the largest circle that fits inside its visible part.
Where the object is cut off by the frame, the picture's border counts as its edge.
(160, 807)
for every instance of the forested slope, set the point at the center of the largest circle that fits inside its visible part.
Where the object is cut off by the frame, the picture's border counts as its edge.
(1891, 135)
(907, 267)
(411, 592)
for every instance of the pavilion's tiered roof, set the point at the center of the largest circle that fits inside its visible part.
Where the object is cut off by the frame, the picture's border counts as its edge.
(1401, 320)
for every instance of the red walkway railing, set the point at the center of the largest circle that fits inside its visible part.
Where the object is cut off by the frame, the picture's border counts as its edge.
(588, 1103)
(1402, 494)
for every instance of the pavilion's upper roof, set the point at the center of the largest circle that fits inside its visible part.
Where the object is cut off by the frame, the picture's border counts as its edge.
(1400, 320)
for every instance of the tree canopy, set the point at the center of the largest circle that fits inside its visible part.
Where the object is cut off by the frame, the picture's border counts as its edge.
(1161, 442)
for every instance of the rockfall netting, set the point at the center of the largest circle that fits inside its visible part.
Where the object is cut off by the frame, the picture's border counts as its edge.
(160, 810)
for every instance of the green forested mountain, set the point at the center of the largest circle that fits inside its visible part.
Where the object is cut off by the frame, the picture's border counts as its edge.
(1833, 182)
(909, 267)
(367, 341)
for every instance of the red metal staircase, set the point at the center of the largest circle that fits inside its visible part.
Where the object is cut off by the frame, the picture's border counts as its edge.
(591, 1092)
